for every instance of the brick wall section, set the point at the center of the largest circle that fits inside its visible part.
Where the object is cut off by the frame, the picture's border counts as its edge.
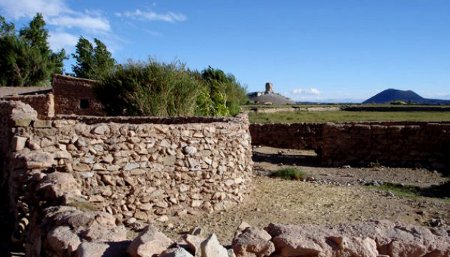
(43, 103)
(389, 143)
(70, 92)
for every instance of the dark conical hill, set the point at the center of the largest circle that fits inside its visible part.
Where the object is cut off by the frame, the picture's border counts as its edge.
(410, 96)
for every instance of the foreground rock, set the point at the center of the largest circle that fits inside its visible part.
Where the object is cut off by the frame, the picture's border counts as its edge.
(150, 242)
(364, 239)
(253, 242)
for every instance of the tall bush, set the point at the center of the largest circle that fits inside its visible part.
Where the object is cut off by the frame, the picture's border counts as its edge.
(152, 88)
(226, 93)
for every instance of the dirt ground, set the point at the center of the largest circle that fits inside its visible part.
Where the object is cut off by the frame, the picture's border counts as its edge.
(337, 195)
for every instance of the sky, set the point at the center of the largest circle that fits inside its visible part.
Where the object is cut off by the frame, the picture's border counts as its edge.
(311, 50)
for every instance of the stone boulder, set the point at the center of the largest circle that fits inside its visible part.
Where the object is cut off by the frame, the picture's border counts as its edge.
(253, 242)
(212, 248)
(148, 243)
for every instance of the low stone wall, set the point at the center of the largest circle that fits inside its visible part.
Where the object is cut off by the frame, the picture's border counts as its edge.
(293, 136)
(386, 143)
(133, 171)
(43, 104)
(408, 108)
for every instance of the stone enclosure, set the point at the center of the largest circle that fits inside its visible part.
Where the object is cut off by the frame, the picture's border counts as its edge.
(73, 184)
(132, 169)
(409, 144)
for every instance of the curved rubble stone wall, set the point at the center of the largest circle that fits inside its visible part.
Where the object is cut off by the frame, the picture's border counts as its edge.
(387, 143)
(141, 170)
(131, 170)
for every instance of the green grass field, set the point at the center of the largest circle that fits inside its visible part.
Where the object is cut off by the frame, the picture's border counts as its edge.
(343, 116)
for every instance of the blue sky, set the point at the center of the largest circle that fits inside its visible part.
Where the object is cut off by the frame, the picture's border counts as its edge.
(311, 50)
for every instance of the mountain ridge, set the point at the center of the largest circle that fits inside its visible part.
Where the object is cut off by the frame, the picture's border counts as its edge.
(409, 96)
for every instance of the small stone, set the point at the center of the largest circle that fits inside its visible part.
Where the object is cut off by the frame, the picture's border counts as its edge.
(189, 150)
(163, 218)
(176, 252)
(101, 130)
(131, 166)
(19, 143)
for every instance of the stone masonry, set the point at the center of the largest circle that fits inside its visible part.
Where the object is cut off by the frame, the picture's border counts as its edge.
(387, 143)
(123, 167)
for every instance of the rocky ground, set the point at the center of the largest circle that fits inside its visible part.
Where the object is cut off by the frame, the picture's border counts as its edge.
(333, 196)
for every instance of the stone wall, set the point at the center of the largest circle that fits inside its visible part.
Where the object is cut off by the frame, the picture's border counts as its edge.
(293, 136)
(387, 143)
(75, 96)
(133, 171)
(42, 103)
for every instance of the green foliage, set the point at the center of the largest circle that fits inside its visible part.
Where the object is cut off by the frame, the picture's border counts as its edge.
(160, 89)
(25, 58)
(92, 62)
(343, 116)
(225, 92)
(289, 173)
(435, 191)
(155, 89)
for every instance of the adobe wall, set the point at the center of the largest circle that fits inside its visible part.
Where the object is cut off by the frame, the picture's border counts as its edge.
(75, 96)
(43, 103)
(387, 143)
(127, 168)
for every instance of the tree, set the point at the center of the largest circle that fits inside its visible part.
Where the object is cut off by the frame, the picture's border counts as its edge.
(92, 63)
(25, 57)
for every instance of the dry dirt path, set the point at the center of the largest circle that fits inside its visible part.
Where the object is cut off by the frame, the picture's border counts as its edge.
(296, 202)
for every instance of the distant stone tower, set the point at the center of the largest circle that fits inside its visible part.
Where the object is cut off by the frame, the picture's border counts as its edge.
(269, 88)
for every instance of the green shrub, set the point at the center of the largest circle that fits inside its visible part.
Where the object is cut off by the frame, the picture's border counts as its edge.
(289, 173)
(160, 89)
(152, 89)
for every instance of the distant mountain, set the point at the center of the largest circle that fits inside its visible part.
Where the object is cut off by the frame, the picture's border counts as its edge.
(408, 96)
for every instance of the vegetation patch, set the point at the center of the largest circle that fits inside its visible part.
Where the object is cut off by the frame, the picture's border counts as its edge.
(343, 116)
(289, 174)
(435, 191)
(169, 89)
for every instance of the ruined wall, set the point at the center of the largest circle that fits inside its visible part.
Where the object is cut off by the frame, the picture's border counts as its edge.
(387, 143)
(134, 169)
(294, 136)
(43, 103)
(424, 144)
(75, 96)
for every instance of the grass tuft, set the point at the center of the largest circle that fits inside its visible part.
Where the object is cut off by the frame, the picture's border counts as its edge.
(289, 173)
(441, 191)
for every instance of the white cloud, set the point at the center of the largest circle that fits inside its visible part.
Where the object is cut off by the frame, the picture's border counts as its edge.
(56, 13)
(59, 40)
(28, 8)
(307, 91)
(154, 16)
(82, 21)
